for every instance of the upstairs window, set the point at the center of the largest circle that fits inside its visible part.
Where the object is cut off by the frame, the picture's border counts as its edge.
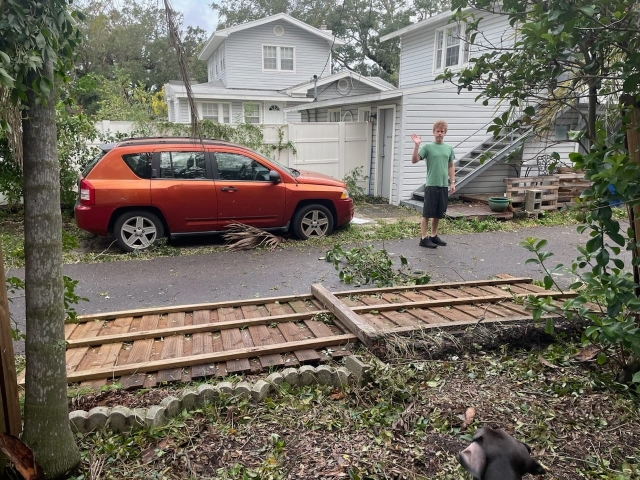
(451, 51)
(278, 59)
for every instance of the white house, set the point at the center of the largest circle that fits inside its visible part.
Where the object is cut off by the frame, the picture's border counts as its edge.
(427, 48)
(258, 69)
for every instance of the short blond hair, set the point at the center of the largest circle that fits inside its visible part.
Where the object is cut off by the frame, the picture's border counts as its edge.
(442, 124)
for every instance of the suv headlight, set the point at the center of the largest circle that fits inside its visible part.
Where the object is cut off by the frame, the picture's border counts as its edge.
(345, 194)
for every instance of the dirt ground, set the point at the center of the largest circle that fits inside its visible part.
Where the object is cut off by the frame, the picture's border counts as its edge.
(405, 422)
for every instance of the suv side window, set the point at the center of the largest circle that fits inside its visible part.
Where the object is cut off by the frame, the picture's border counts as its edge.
(183, 165)
(233, 166)
(139, 163)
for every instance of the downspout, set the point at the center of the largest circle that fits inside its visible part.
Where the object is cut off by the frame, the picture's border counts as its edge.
(372, 116)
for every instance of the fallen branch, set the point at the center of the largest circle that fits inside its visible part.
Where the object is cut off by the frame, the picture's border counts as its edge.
(246, 237)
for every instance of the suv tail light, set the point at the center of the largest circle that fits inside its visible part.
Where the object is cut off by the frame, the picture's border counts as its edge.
(87, 193)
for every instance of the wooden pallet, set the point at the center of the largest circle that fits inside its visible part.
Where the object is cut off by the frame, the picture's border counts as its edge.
(144, 348)
(548, 184)
(571, 185)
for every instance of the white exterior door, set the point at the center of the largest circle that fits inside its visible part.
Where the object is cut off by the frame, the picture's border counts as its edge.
(273, 113)
(384, 165)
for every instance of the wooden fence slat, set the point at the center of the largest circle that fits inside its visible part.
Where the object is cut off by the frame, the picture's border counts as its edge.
(431, 286)
(203, 342)
(261, 336)
(189, 329)
(450, 301)
(172, 348)
(188, 308)
(154, 366)
(232, 340)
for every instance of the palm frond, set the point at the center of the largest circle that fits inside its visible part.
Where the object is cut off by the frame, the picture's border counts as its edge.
(245, 237)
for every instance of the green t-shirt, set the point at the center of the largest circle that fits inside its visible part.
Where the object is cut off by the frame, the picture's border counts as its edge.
(437, 157)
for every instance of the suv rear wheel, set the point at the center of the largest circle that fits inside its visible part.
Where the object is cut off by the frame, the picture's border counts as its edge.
(312, 221)
(137, 230)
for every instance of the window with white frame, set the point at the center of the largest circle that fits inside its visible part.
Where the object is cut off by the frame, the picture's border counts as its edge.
(252, 112)
(364, 113)
(218, 112)
(333, 115)
(279, 59)
(451, 49)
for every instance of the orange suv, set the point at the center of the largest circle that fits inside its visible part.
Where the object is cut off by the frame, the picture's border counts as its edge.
(142, 189)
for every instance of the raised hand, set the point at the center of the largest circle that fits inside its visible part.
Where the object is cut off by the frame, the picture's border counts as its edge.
(417, 139)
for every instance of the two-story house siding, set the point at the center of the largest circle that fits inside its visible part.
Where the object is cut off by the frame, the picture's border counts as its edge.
(249, 68)
(426, 100)
(426, 51)
(217, 65)
(245, 67)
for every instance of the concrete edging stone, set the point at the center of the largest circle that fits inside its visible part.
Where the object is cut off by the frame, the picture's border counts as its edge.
(120, 419)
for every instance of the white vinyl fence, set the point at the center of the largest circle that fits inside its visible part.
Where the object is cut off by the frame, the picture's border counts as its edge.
(331, 148)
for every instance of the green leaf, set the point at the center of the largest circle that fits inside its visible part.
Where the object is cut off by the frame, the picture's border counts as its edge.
(602, 358)
(5, 79)
(41, 42)
(589, 11)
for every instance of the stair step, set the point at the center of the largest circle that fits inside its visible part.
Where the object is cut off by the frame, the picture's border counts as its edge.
(416, 205)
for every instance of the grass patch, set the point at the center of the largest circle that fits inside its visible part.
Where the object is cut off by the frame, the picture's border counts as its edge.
(82, 247)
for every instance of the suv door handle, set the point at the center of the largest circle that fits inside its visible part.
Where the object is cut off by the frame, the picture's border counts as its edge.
(229, 189)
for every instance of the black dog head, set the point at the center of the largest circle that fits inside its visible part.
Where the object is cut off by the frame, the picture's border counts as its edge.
(496, 455)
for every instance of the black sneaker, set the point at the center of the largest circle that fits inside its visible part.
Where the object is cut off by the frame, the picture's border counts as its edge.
(437, 241)
(426, 242)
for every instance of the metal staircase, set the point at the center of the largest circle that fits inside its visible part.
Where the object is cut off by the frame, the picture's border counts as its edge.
(482, 156)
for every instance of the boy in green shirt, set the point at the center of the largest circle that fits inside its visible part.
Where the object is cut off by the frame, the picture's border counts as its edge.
(440, 182)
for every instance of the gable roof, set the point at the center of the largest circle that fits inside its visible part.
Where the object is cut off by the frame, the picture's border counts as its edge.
(375, 82)
(217, 37)
(421, 24)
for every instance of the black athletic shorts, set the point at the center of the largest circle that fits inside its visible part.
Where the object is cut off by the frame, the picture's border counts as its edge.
(436, 200)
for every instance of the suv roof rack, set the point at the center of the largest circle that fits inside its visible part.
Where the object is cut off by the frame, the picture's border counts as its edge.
(147, 140)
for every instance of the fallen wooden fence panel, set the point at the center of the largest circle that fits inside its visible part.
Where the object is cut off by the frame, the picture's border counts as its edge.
(145, 347)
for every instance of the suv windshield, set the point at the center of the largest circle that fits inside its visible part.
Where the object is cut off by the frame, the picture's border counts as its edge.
(292, 171)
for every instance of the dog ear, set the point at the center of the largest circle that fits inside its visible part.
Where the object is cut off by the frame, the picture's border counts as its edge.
(532, 466)
(473, 458)
(535, 468)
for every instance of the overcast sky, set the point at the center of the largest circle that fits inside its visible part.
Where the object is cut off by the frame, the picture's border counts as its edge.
(197, 13)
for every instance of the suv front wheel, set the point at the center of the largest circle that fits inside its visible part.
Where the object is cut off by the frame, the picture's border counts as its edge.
(137, 230)
(312, 221)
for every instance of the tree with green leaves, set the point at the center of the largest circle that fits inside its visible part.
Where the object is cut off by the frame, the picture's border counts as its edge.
(37, 39)
(132, 37)
(360, 22)
(567, 54)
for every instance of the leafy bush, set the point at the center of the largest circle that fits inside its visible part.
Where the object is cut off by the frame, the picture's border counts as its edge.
(356, 192)
(363, 265)
(607, 293)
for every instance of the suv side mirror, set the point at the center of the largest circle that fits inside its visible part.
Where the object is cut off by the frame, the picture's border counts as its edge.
(274, 176)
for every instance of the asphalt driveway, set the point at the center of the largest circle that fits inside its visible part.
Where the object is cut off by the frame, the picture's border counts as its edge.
(258, 274)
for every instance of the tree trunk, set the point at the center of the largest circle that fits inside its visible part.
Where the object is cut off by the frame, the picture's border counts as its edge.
(632, 108)
(46, 416)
